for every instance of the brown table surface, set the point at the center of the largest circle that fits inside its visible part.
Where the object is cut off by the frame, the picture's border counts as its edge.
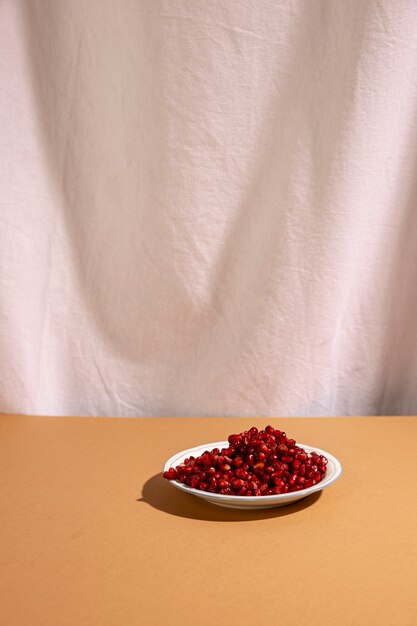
(91, 534)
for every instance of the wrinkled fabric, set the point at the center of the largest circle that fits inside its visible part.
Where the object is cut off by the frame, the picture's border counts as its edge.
(208, 208)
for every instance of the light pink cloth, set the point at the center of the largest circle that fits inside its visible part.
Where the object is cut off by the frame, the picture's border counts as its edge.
(208, 208)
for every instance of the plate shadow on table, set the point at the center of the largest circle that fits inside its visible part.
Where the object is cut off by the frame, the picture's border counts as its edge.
(159, 494)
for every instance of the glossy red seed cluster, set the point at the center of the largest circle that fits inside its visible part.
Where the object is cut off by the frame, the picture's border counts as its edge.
(256, 463)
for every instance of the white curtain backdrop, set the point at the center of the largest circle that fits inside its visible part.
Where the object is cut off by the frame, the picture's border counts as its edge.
(208, 207)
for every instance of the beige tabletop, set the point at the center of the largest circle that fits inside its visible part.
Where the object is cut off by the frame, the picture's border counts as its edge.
(92, 535)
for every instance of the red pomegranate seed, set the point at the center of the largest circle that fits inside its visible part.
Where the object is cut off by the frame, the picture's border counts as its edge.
(170, 474)
(193, 481)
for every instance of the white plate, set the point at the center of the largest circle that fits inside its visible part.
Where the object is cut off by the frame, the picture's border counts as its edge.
(333, 472)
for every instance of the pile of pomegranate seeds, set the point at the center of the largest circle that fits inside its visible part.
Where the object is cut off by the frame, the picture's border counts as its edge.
(256, 463)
